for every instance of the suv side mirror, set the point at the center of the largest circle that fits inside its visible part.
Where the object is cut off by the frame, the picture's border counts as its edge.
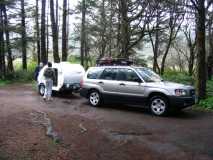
(138, 80)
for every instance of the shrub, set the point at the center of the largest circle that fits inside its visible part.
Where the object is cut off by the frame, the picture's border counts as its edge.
(4, 82)
(20, 75)
(207, 103)
(179, 77)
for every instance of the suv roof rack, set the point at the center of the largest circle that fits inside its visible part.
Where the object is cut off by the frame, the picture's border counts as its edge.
(114, 62)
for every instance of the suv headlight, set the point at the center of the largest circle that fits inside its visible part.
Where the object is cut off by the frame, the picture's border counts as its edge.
(180, 92)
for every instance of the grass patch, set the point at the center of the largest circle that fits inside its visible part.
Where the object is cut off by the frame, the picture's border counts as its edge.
(183, 78)
(19, 75)
(208, 102)
(178, 77)
(4, 83)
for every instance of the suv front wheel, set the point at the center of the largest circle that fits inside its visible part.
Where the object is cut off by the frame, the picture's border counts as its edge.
(158, 105)
(94, 98)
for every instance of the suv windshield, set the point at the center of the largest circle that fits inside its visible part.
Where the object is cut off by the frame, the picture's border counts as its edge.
(148, 75)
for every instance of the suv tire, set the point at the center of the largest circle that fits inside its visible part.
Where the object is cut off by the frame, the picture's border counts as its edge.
(158, 105)
(95, 98)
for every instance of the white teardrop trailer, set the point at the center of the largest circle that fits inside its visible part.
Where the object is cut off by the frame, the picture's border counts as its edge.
(68, 77)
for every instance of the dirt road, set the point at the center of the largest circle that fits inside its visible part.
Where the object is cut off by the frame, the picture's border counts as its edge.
(106, 133)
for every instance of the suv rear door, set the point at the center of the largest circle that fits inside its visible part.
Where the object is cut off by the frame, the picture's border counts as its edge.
(107, 81)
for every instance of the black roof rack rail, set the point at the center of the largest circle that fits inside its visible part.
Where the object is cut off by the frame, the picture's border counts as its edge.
(114, 62)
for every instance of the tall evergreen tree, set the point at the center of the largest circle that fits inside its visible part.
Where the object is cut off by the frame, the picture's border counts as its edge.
(43, 32)
(64, 32)
(54, 33)
(24, 38)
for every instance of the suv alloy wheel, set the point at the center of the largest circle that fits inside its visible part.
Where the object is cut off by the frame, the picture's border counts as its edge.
(158, 105)
(94, 98)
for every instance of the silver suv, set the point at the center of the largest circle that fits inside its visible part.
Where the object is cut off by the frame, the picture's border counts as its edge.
(135, 85)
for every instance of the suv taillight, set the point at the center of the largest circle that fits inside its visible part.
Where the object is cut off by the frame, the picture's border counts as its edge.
(81, 83)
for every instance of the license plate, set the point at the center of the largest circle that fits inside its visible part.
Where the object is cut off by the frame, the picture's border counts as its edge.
(76, 86)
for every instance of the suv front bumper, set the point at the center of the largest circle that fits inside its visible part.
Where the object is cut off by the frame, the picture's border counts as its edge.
(182, 102)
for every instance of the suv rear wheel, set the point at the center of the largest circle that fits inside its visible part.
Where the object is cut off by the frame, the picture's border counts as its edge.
(158, 105)
(94, 98)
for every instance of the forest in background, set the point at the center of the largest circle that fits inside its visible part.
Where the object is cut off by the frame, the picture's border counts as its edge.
(174, 37)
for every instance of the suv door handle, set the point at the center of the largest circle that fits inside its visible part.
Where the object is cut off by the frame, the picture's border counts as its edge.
(122, 84)
(101, 82)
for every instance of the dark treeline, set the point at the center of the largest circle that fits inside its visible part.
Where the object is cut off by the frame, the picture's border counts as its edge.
(178, 32)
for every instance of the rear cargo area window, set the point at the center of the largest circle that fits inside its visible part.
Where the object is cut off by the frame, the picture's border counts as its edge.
(95, 73)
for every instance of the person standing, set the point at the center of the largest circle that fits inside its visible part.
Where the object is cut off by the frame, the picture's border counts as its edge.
(49, 75)
(37, 70)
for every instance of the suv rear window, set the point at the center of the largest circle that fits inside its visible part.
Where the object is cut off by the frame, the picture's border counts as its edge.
(109, 74)
(94, 73)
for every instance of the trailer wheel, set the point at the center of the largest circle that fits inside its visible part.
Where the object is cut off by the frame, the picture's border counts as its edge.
(41, 89)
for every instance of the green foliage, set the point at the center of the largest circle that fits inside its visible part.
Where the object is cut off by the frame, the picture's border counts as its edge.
(178, 77)
(4, 82)
(77, 60)
(208, 102)
(186, 79)
(74, 59)
(210, 88)
(141, 62)
(20, 75)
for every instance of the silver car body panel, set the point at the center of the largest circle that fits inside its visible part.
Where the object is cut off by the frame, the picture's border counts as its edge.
(127, 88)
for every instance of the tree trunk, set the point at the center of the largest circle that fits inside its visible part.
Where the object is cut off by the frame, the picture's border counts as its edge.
(125, 35)
(56, 14)
(68, 24)
(9, 57)
(155, 43)
(83, 32)
(64, 32)
(118, 39)
(24, 40)
(165, 56)
(54, 33)
(191, 61)
(201, 48)
(38, 34)
(211, 37)
(2, 57)
(111, 29)
(156, 49)
(43, 36)
(103, 31)
(47, 32)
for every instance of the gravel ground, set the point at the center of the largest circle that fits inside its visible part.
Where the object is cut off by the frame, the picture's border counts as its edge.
(115, 132)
